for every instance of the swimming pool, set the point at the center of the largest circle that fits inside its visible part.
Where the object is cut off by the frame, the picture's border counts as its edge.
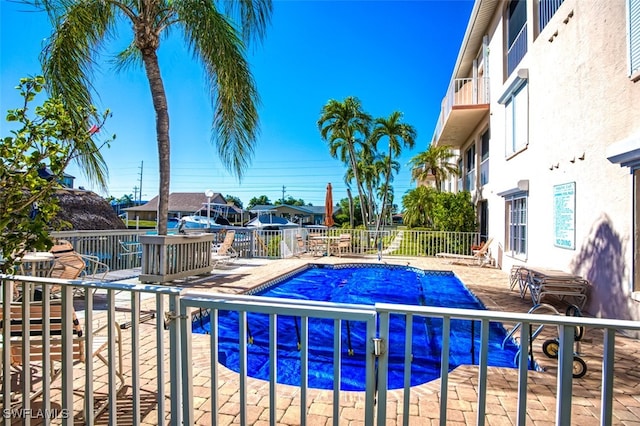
(362, 284)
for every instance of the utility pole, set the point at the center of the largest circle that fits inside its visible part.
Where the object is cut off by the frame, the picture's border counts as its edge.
(135, 195)
(140, 193)
(283, 188)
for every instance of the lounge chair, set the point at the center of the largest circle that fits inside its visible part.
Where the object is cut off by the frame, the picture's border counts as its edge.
(36, 341)
(224, 252)
(541, 282)
(480, 257)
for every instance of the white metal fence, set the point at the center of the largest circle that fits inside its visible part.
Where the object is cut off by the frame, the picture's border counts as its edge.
(113, 247)
(174, 348)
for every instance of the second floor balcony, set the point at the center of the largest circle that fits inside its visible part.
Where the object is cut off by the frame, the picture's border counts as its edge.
(464, 106)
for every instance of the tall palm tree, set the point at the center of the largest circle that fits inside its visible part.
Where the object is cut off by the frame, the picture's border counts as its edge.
(434, 161)
(215, 33)
(345, 127)
(399, 135)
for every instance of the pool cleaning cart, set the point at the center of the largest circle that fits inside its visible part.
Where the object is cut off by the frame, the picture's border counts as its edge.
(551, 347)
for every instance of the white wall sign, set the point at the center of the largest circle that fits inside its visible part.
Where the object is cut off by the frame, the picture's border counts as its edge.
(564, 215)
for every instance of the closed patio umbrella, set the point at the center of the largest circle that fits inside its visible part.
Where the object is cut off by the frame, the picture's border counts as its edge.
(328, 207)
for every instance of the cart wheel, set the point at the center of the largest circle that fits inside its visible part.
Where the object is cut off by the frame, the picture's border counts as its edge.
(551, 348)
(579, 367)
(578, 333)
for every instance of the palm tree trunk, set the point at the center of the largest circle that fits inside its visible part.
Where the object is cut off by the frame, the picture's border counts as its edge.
(350, 208)
(384, 197)
(152, 68)
(354, 165)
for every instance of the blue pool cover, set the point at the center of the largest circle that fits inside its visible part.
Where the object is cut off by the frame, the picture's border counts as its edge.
(362, 285)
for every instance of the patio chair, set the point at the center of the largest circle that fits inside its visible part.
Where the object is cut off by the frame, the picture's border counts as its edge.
(301, 247)
(343, 245)
(70, 265)
(34, 340)
(480, 257)
(224, 252)
(317, 245)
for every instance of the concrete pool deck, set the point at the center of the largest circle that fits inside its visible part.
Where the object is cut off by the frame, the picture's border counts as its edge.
(491, 286)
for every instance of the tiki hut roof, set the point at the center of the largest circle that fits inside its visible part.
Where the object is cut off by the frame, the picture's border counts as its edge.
(86, 210)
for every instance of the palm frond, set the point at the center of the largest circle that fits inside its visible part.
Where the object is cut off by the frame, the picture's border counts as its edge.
(216, 43)
(80, 28)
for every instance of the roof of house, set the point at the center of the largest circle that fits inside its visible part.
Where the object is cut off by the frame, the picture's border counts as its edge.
(302, 209)
(181, 202)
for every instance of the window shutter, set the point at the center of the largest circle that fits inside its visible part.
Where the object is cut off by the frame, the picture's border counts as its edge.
(634, 36)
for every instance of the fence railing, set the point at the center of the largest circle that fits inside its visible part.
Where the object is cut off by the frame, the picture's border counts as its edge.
(117, 249)
(377, 356)
(121, 249)
(45, 346)
(175, 349)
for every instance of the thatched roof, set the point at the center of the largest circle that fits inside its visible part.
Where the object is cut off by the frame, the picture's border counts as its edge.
(86, 210)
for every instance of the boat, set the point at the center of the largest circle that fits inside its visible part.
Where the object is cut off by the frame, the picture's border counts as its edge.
(210, 216)
(270, 222)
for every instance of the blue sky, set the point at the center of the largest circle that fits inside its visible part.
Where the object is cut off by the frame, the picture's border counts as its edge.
(392, 55)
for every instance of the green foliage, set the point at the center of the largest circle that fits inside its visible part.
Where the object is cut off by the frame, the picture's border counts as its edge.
(417, 205)
(47, 137)
(258, 201)
(290, 201)
(440, 211)
(454, 212)
(435, 162)
(342, 218)
(233, 199)
(273, 247)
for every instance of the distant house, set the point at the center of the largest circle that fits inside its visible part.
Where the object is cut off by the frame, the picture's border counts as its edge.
(180, 204)
(67, 180)
(304, 215)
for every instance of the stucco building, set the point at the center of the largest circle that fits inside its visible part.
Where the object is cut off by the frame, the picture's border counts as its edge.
(542, 110)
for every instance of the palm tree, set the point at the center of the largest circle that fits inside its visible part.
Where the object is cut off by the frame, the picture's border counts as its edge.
(215, 33)
(399, 134)
(417, 204)
(434, 161)
(345, 126)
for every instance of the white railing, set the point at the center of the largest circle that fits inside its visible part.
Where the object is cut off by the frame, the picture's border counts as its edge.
(462, 92)
(111, 246)
(108, 246)
(546, 10)
(517, 50)
(175, 349)
(125, 327)
(377, 344)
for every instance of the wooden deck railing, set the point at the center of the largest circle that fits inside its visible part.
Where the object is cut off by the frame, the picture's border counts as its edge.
(170, 257)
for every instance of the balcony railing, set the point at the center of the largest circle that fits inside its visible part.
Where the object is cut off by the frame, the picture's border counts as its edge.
(462, 92)
(546, 10)
(517, 50)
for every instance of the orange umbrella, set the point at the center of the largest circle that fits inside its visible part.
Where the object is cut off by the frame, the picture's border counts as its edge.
(328, 207)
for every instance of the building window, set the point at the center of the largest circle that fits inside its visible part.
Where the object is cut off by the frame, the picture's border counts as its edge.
(633, 7)
(470, 163)
(484, 159)
(546, 10)
(460, 174)
(516, 33)
(517, 232)
(517, 120)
